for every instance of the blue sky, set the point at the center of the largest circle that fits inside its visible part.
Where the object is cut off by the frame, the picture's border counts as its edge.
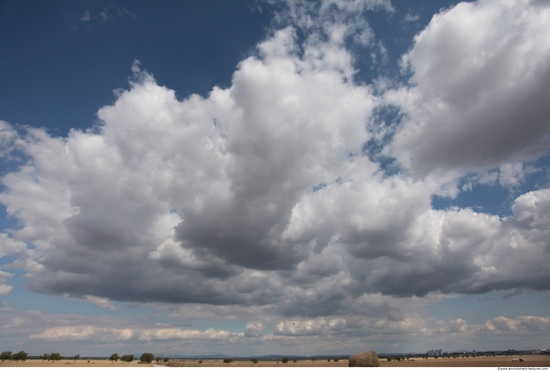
(253, 177)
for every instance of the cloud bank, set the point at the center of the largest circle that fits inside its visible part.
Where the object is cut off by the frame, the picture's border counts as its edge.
(264, 195)
(312, 335)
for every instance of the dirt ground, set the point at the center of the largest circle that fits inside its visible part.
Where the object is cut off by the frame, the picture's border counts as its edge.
(540, 361)
(71, 363)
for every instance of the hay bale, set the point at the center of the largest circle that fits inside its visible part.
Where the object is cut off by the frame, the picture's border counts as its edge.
(367, 358)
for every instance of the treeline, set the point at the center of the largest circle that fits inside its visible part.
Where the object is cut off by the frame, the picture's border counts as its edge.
(22, 356)
(19, 356)
(145, 358)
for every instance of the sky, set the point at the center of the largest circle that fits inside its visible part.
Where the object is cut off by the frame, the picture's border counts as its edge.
(274, 177)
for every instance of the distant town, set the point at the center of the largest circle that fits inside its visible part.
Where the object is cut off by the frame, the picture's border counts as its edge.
(473, 353)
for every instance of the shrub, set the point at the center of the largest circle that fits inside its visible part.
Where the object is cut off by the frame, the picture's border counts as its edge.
(284, 360)
(127, 358)
(54, 357)
(364, 359)
(147, 358)
(114, 357)
(5, 355)
(19, 356)
(227, 360)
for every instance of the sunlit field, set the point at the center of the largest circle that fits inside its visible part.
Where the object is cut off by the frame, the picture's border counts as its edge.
(499, 361)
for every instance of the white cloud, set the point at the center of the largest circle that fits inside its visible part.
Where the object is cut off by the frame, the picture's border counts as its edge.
(86, 16)
(253, 330)
(9, 139)
(522, 323)
(100, 302)
(306, 336)
(72, 333)
(258, 201)
(177, 334)
(107, 14)
(265, 175)
(411, 17)
(314, 327)
(13, 248)
(456, 326)
(479, 94)
(511, 175)
(5, 289)
(87, 333)
(10, 246)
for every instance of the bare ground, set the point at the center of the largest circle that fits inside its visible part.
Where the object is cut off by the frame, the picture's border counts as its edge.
(541, 361)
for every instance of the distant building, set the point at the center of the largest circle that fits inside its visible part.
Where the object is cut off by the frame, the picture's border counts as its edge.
(435, 353)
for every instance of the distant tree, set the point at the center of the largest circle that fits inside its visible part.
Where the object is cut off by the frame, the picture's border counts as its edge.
(127, 358)
(76, 357)
(227, 360)
(114, 357)
(336, 359)
(54, 357)
(166, 359)
(147, 358)
(284, 360)
(254, 360)
(45, 357)
(5, 355)
(19, 356)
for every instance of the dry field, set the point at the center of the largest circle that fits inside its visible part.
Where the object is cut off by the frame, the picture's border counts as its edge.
(540, 361)
(71, 363)
(499, 361)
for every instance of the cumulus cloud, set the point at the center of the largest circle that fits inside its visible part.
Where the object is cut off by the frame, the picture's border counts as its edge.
(263, 195)
(303, 335)
(511, 175)
(5, 289)
(453, 327)
(478, 91)
(522, 323)
(9, 139)
(309, 327)
(253, 330)
(9, 248)
(84, 333)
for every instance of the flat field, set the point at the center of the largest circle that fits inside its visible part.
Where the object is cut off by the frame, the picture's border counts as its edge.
(71, 363)
(541, 361)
